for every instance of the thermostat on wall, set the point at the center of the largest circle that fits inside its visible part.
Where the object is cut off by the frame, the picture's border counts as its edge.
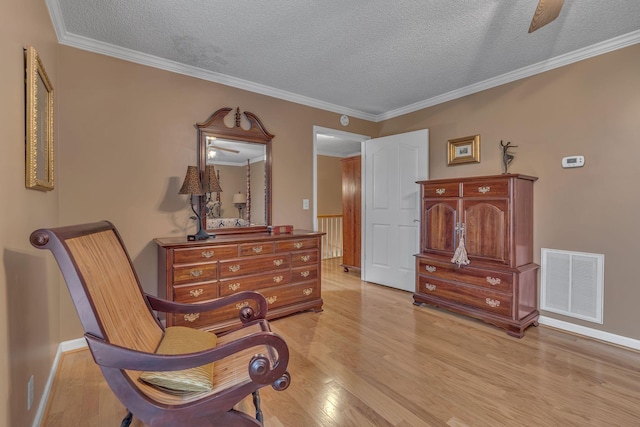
(573, 162)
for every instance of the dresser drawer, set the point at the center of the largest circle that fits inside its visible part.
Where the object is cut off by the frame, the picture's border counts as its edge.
(296, 245)
(244, 266)
(194, 273)
(501, 281)
(300, 274)
(303, 258)
(247, 249)
(489, 188)
(435, 190)
(195, 293)
(254, 283)
(494, 302)
(204, 253)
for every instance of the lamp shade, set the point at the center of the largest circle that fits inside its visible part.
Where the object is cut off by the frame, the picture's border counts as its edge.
(239, 198)
(211, 183)
(191, 184)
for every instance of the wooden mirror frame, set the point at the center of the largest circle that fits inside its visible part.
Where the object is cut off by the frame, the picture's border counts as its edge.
(257, 134)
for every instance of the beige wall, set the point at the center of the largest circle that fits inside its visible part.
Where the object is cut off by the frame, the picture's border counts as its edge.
(329, 185)
(590, 108)
(125, 134)
(29, 279)
(129, 134)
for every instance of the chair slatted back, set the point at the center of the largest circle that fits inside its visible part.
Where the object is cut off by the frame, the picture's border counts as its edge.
(113, 291)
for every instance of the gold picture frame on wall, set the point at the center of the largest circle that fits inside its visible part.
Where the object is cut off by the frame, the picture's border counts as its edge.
(463, 150)
(39, 123)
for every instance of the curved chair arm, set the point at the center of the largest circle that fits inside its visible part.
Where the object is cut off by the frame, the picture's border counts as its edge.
(114, 356)
(246, 313)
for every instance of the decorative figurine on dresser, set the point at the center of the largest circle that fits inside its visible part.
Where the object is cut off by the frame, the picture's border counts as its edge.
(247, 254)
(476, 249)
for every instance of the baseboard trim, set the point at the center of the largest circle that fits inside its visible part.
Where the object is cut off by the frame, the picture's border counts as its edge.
(590, 332)
(62, 348)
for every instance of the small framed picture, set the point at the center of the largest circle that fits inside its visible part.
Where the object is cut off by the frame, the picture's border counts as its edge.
(463, 150)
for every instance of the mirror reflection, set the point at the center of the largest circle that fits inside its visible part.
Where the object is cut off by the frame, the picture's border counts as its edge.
(238, 147)
(240, 169)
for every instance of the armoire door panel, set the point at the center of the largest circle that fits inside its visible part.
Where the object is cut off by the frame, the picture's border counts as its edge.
(440, 218)
(486, 229)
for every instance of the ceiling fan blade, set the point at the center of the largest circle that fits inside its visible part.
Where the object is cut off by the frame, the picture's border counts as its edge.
(223, 148)
(547, 11)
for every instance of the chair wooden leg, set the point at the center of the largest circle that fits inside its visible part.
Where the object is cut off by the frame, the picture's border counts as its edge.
(126, 421)
(256, 403)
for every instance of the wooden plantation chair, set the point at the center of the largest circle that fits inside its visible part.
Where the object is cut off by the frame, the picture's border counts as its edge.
(129, 343)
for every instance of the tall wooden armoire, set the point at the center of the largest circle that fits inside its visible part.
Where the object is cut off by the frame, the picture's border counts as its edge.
(351, 212)
(494, 216)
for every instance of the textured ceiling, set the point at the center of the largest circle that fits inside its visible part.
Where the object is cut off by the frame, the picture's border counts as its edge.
(372, 59)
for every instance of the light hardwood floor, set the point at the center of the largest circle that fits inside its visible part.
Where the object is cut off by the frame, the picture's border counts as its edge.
(372, 358)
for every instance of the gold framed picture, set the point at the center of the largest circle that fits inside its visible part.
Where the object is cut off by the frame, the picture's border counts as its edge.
(463, 150)
(39, 123)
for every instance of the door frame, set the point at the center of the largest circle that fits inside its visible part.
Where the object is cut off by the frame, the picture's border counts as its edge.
(338, 134)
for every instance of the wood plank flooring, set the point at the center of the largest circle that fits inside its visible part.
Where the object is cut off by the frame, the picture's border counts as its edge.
(372, 358)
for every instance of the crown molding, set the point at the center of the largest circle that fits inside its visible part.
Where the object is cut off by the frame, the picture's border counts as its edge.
(85, 43)
(559, 61)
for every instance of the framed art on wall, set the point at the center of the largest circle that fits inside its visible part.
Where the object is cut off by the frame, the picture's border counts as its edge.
(39, 123)
(463, 150)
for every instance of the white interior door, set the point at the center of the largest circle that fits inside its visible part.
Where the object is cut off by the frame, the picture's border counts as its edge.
(392, 165)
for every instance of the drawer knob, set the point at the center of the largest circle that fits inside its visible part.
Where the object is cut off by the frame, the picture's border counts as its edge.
(196, 292)
(234, 286)
(305, 258)
(430, 268)
(234, 268)
(242, 304)
(191, 317)
(492, 302)
(305, 273)
(277, 279)
(297, 245)
(493, 281)
(207, 254)
(307, 291)
(272, 299)
(430, 287)
(484, 190)
(278, 262)
(195, 273)
(440, 191)
(256, 249)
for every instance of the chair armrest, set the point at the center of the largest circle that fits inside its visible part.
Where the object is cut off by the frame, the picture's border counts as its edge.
(113, 356)
(247, 313)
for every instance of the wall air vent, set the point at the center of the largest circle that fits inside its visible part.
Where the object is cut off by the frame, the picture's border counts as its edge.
(572, 284)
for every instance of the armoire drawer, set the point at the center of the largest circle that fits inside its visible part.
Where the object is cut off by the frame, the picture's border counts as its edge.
(486, 188)
(482, 298)
(496, 280)
(435, 190)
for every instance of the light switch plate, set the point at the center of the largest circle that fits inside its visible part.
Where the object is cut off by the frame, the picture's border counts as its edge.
(305, 204)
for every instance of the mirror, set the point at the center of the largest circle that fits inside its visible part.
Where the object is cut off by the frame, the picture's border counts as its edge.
(239, 148)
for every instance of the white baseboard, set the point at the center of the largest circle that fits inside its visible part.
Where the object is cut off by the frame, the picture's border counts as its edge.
(62, 348)
(590, 332)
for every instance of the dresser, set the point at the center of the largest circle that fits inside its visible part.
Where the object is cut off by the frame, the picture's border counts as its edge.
(494, 216)
(351, 212)
(285, 268)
